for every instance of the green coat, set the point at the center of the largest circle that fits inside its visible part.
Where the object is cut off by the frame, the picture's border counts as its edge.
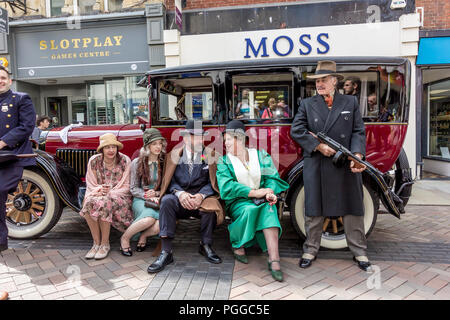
(248, 220)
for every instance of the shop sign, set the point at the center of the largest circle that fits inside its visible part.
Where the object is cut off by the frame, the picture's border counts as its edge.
(284, 45)
(115, 49)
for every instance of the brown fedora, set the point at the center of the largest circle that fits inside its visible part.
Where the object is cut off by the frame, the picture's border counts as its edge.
(325, 68)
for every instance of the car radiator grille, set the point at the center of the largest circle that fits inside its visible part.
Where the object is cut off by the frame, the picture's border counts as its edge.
(77, 159)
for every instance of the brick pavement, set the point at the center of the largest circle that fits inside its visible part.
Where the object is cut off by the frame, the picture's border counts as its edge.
(412, 256)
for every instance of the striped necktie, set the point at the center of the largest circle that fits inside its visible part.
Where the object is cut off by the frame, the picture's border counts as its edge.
(191, 164)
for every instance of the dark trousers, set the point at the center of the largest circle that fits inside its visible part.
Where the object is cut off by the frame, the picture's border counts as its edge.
(171, 210)
(9, 176)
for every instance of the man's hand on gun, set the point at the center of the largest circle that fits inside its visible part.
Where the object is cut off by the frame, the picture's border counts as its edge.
(327, 151)
(356, 166)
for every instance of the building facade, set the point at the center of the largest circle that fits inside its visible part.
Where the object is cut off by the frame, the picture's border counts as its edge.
(80, 61)
(262, 30)
(434, 87)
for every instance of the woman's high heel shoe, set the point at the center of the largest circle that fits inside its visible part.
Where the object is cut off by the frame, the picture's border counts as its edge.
(126, 252)
(240, 257)
(141, 247)
(276, 274)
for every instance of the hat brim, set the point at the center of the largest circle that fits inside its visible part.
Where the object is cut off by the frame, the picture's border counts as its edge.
(110, 143)
(318, 76)
(193, 132)
(155, 139)
(235, 132)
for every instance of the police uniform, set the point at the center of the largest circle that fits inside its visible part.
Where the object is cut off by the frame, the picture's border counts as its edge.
(17, 119)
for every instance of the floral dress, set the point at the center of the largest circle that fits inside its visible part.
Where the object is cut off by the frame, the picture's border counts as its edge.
(115, 207)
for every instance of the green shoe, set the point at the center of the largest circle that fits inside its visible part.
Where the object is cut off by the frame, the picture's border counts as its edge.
(276, 274)
(240, 257)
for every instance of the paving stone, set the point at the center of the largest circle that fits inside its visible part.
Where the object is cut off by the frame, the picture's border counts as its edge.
(410, 253)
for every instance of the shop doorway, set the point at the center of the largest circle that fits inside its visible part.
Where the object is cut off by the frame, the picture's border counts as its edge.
(57, 110)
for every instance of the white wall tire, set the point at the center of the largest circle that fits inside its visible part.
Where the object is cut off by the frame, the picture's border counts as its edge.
(331, 241)
(20, 228)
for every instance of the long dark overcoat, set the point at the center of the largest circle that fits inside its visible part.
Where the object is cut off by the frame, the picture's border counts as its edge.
(330, 191)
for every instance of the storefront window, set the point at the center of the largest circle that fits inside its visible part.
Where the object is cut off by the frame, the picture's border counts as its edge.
(439, 113)
(56, 7)
(116, 101)
(115, 5)
(79, 110)
(89, 6)
(97, 104)
(137, 100)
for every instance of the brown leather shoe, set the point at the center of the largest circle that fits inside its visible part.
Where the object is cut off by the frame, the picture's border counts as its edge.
(3, 295)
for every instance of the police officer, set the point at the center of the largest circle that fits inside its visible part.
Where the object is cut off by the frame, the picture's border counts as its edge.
(17, 117)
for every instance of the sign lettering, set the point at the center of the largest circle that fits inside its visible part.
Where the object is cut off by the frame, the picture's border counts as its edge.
(284, 45)
(76, 43)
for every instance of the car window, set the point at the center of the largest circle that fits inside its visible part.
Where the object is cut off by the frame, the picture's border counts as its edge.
(185, 99)
(261, 96)
(362, 85)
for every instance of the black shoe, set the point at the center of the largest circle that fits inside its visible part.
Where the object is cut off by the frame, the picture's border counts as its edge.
(126, 252)
(208, 252)
(141, 247)
(3, 247)
(163, 260)
(363, 265)
(305, 263)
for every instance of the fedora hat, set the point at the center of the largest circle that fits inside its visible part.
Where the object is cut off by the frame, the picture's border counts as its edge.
(108, 139)
(151, 135)
(235, 127)
(194, 127)
(325, 68)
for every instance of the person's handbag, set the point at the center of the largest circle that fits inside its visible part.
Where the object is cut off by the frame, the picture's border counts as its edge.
(151, 204)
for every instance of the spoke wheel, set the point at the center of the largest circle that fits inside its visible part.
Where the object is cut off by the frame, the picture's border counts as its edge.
(34, 208)
(334, 226)
(26, 205)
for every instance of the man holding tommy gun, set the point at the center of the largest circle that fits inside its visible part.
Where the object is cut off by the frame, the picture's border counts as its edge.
(331, 190)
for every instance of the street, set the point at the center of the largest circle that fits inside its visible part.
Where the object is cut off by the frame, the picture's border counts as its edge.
(410, 257)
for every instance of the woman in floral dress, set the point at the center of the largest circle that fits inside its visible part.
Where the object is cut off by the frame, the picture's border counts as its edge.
(108, 200)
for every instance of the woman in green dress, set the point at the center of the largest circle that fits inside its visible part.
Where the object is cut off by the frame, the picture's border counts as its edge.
(145, 181)
(244, 175)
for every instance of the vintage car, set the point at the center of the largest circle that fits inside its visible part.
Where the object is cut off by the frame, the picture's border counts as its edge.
(217, 93)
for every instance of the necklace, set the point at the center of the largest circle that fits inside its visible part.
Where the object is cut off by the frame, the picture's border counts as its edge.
(111, 175)
(245, 162)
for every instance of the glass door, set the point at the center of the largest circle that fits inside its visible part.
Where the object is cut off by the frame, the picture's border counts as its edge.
(96, 103)
(57, 111)
(115, 101)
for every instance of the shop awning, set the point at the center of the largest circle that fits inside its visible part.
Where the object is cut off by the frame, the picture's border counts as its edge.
(434, 51)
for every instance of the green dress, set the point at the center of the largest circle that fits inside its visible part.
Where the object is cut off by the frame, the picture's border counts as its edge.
(248, 219)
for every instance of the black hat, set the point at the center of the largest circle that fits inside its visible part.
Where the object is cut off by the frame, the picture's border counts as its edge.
(194, 127)
(236, 127)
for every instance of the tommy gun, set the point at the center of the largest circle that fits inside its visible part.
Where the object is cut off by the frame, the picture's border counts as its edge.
(392, 201)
